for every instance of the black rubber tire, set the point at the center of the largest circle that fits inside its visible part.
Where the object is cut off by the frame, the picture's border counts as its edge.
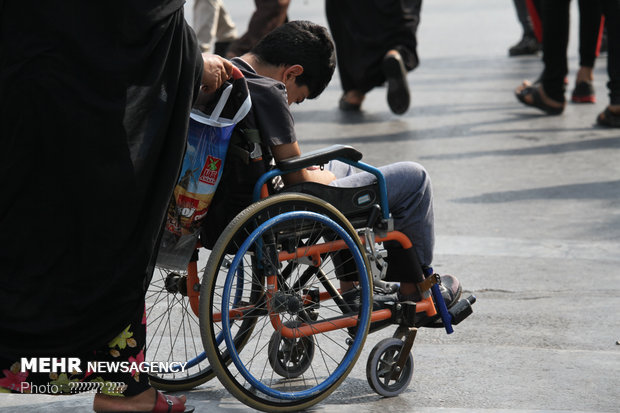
(379, 368)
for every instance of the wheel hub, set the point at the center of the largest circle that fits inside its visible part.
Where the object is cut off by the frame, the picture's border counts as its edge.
(290, 303)
(176, 283)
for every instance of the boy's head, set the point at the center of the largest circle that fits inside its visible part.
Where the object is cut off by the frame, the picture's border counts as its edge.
(302, 43)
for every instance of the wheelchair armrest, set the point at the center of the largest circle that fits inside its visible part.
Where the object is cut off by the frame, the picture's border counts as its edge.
(319, 157)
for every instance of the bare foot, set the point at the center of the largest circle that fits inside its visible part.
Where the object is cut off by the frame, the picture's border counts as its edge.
(530, 99)
(143, 402)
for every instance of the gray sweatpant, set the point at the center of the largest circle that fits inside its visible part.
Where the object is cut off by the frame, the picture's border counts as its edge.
(410, 199)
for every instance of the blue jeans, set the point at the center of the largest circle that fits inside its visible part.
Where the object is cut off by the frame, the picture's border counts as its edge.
(410, 199)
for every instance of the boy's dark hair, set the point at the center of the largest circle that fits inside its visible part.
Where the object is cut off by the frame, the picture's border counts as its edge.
(302, 43)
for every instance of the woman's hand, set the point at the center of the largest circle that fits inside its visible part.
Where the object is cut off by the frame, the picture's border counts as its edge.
(216, 71)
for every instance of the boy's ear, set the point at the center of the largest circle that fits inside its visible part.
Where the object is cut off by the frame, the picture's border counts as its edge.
(293, 71)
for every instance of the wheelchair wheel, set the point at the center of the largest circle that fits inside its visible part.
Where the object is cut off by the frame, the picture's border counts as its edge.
(381, 365)
(173, 332)
(277, 262)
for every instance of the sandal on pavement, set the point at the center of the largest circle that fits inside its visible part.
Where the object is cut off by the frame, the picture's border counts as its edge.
(170, 404)
(608, 118)
(166, 404)
(397, 88)
(537, 101)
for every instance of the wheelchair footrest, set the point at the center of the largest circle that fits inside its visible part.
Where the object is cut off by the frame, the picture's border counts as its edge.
(461, 310)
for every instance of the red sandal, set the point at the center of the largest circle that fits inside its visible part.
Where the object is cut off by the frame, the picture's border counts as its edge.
(165, 404)
(170, 404)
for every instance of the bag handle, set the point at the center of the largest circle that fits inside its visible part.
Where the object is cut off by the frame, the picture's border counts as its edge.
(243, 109)
(217, 111)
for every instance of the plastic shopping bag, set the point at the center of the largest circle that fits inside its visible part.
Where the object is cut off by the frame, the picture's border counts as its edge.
(207, 145)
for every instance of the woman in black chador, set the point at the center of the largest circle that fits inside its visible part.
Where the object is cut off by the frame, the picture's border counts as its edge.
(94, 105)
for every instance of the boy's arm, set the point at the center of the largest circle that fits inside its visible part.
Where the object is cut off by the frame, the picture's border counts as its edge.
(288, 150)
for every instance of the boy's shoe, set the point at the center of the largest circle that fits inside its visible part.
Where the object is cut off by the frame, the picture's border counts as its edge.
(527, 45)
(583, 93)
(450, 288)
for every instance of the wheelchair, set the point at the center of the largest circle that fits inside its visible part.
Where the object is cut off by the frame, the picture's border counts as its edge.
(274, 326)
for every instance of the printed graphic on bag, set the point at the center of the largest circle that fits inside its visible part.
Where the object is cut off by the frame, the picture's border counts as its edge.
(211, 170)
(200, 174)
(186, 205)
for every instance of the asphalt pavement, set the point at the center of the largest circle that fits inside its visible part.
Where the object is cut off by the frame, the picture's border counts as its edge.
(527, 211)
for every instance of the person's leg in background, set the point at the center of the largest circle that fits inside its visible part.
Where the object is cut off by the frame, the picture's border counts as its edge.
(590, 29)
(611, 115)
(376, 43)
(556, 22)
(268, 15)
(226, 32)
(212, 23)
(205, 14)
(402, 58)
(548, 94)
(528, 43)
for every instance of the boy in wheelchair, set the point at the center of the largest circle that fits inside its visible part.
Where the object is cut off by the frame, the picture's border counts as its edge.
(293, 63)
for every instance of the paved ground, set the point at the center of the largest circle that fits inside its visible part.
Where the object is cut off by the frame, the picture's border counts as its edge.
(528, 217)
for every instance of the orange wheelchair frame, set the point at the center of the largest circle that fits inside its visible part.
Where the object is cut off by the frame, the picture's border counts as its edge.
(248, 286)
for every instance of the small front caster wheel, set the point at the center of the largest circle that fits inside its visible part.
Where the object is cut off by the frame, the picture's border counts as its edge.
(381, 367)
(290, 358)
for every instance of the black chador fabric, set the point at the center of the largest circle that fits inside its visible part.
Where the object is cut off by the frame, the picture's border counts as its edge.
(365, 30)
(94, 103)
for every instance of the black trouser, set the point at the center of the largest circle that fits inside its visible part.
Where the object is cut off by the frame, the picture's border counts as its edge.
(524, 18)
(555, 20)
(589, 28)
(611, 10)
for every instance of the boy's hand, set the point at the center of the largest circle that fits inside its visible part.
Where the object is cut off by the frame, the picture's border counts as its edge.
(216, 71)
(322, 176)
(310, 174)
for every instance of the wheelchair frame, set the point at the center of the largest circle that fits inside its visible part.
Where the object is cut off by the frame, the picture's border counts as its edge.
(223, 349)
